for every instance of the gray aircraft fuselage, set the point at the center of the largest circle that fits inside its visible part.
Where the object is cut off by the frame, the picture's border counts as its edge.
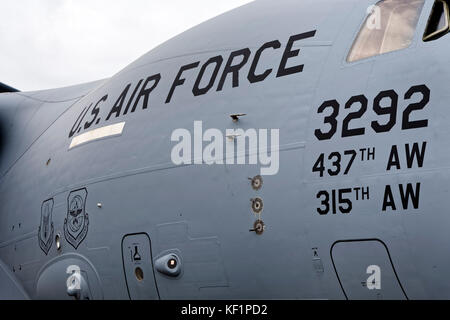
(88, 185)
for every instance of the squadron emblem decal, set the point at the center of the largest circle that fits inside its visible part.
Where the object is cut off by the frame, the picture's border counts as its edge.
(46, 229)
(77, 220)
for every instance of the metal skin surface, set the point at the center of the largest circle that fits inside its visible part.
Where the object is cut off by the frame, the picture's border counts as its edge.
(113, 194)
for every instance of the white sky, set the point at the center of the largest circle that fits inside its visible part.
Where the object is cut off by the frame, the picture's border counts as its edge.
(54, 43)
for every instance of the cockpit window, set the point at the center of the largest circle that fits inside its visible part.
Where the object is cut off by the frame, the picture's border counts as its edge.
(390, 26)
(438, 23)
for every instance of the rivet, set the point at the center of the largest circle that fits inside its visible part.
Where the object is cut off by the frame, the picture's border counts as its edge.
(257, 205)
(256, 182)
(258, 227)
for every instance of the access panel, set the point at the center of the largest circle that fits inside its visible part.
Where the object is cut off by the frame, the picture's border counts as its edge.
(138, 267)
(365, 270)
